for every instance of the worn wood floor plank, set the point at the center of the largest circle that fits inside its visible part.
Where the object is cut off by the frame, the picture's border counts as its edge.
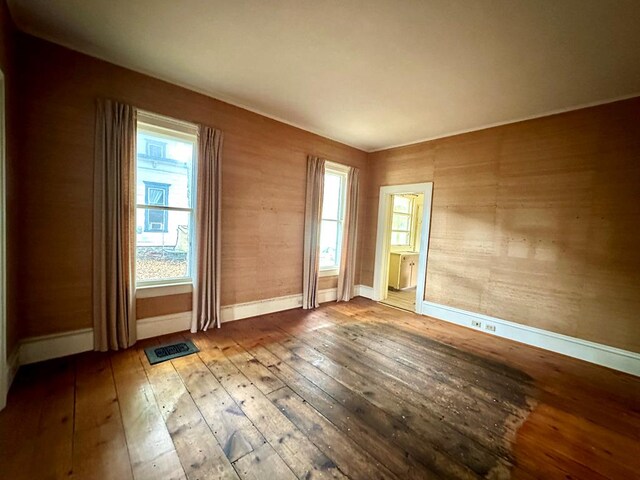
(235, 433)
(302, 457)
(100, 449)
(351, 389)
(52, 455)
(199, 452)
(151, 449)
(354, 422)
(263, 463)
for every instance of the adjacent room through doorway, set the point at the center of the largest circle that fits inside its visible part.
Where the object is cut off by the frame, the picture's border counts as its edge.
(404, 250)
(402, 243)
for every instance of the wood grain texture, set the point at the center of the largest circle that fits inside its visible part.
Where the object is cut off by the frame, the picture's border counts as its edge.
(533, 222)
(264, 165)
(351, 390)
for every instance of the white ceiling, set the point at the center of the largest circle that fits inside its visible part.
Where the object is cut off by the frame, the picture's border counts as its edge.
(369, 73)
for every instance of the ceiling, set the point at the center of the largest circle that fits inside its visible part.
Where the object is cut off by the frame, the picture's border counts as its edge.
(369, 73)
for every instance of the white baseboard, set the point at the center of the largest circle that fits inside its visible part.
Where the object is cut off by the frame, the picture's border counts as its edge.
(46, 347)
(239, 311)
(615, 358)
(163, 325)
(13, 363)
(364, 291)
(11, 368)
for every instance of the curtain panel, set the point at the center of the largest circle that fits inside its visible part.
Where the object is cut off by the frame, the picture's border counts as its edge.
(346, 274)
(312, 222)
(206, 282)
(114, 314)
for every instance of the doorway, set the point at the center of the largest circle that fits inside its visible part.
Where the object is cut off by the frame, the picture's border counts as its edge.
(402, 242)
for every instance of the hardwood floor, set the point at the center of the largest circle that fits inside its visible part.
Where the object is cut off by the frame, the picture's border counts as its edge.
(351, 390)
(404, 299)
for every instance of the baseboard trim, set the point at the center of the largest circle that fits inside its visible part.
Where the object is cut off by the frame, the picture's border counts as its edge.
(364, 291)
(13, 363)
(230, 313)
(611, 357)
(46, 347)
(11, 368)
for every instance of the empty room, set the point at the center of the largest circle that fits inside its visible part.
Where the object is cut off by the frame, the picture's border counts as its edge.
(295, 239)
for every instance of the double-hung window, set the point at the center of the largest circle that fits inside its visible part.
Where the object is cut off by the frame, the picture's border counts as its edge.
(401, 221)
(333, 206)
(165, 197)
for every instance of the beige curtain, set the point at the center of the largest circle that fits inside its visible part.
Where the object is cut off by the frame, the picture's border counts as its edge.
(206, 287)
(114, 314)
(312, 222)
(346, 276)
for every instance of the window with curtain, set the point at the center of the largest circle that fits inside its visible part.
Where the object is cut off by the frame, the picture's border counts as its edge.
(401, 221)
(165, 179)
(333, 202)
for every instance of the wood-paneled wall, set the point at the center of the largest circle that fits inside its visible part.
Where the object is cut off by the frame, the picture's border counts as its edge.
(264, 174)
(8, 56)
(536, 222)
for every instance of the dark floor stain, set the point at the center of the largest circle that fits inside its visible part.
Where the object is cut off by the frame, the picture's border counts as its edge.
(480, 424)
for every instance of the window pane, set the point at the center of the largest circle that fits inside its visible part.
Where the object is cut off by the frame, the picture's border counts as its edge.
(331, 200)
(401, 222)
(162, 254)
(328, 243)
(399, 238)
(164, 173)
(401, 204)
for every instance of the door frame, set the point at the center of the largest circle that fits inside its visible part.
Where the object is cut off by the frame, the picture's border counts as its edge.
(381, 266)
(4, 377)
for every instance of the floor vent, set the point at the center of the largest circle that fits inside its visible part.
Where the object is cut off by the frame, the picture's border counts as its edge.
(169, 352)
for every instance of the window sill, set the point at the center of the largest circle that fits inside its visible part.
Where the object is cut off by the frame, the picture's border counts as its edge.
(333, 272)
(149, 291)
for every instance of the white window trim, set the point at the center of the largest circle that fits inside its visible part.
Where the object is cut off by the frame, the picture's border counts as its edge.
(150, 291)
(175, 128)
(411, 230)
(342, 170)
(329, 272)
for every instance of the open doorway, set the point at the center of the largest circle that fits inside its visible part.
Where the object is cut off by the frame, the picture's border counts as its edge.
(402, 243)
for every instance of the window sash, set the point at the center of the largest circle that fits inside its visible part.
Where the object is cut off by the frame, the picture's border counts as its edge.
(175, 130)
(408, 216)
(407, 231)
(342, 173)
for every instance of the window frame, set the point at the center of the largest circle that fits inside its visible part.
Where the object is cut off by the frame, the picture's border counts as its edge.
(186, 131)
(409, 216)
(341, 171)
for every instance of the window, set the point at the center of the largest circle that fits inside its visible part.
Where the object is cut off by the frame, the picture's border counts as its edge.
(335, 179)
(156, 149)
(401, 222)
(156, 194)
(165, 196)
